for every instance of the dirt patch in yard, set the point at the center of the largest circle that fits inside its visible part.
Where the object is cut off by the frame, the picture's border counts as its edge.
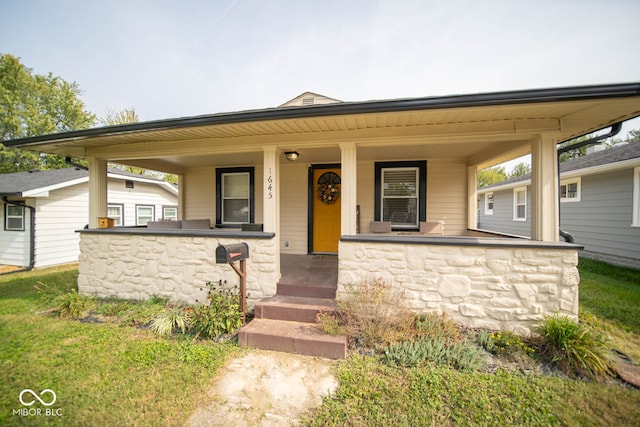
(265, 389)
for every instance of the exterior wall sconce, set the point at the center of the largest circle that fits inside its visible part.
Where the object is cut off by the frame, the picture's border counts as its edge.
(292, 156)
(128, 184)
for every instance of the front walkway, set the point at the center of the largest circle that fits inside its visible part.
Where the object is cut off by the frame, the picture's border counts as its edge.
(265, 388)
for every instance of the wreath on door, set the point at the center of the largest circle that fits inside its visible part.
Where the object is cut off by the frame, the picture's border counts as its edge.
(329, 187)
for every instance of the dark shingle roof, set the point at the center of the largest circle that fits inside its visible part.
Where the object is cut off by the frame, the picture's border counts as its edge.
(15, 184)
(617, 153)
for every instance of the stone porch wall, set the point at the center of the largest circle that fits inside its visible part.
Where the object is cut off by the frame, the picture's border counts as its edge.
(497, 286)
(138, 266)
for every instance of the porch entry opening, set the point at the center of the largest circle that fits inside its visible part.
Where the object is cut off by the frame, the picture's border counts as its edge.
(324, 201)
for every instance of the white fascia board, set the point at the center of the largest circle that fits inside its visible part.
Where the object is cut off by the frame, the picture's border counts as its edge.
(44, 191)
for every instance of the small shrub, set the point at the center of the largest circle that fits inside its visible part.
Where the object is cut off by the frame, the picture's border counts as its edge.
(73, 305)
(157, 299)
(373, 314)
(573, 348)
(173, 318)
(507, 343)
(329, 322)
(484, 339)
(437, 326)
(139, 313)
(221, 317)
(464, 355)
(70, 304)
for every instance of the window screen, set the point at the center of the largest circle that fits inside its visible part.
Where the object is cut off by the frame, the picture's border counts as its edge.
(400, 197)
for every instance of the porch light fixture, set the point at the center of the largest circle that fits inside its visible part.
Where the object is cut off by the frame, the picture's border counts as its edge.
(292, 156)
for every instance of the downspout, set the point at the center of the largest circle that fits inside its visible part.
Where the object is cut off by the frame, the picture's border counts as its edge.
(32, 231)
(615, 129)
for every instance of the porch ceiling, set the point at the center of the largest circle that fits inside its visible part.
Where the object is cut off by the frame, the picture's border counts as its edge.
(476, 133)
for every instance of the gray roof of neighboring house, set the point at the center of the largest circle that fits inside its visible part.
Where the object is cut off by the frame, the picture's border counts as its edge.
(617, 153)
(15, 184)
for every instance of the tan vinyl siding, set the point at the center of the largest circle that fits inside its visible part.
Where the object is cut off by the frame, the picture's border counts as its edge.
(365, 195)
(200, 194)
(259, 203)
(447, 195)
(294, 201)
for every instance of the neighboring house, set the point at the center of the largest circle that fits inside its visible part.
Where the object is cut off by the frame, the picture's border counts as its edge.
(323, 178)
(42, 210)
(599, 203)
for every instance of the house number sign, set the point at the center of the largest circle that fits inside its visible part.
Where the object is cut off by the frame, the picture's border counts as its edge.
(270, 185)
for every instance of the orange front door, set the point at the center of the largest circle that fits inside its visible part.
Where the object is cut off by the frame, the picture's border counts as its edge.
(326, 210)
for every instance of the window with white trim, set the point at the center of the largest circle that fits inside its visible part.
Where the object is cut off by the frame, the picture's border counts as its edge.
(170, 213)
(14, 218)
(635, 222)
(488, 203)
(570, 190)
(144, 214)
(520, 204)
(115, 212)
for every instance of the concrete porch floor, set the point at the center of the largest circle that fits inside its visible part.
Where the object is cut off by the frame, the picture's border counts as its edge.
(317, 270)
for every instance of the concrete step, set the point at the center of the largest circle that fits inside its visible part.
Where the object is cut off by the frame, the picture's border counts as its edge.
(306, 290)
(292, 337)
(298, 309)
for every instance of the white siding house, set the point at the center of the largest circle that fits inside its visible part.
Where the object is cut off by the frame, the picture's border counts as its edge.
(42, 210)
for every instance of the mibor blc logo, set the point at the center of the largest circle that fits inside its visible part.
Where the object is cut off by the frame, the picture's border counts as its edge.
(46, 397)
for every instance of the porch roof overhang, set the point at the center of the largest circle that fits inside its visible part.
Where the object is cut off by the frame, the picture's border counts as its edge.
(483, 129)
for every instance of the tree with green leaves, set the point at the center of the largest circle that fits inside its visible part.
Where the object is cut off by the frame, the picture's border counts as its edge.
(122, 117)
(491, 176)
(520, 169)
(113, 118)
(33, 104)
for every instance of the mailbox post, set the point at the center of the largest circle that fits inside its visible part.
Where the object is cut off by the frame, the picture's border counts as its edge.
(228, 254)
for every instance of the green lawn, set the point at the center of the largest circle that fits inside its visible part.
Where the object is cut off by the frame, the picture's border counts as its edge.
(102, 374)
(110, 374)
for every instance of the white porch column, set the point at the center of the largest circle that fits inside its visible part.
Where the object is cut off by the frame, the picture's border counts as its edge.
(97, 190)
(348, 197)
(472, 197)
(544, 190)
(270, 192)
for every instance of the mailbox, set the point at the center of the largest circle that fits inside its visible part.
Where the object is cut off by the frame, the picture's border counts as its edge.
(226, 254)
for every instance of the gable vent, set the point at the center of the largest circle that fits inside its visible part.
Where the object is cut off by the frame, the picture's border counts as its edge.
(307, 101)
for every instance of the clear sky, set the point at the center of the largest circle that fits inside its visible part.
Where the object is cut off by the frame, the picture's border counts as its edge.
(175, 58)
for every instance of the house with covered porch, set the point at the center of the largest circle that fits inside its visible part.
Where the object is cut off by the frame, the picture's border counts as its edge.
(364, 181)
